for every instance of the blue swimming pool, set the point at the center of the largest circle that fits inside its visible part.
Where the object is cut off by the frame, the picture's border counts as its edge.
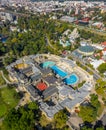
(71, 80)
(47, 64)
(58, 71)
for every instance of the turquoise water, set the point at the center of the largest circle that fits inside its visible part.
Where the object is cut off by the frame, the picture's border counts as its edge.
(58, 71)
(71, 80)
(47, 64)
(66, 44)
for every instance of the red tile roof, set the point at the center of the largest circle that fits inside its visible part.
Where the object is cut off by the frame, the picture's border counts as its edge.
(103, 43)
(41, 86)
(104, 49)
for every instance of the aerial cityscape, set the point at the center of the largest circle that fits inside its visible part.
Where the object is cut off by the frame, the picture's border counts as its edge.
(52, 65)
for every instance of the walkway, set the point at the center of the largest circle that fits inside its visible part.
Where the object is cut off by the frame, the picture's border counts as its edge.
(48, 43)
(3, 86)
(1, 119)
(104, 111)
(6, 80)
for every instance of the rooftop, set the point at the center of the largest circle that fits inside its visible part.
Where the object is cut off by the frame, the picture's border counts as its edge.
(21, 66)
(32, 91)
(41, 86)
(103, 43)
(50, 91)
(50, 79)
(86, 49)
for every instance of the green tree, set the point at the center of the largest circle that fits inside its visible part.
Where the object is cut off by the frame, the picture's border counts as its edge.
(22, 118)
(94, 101)
(86, 128)
(102, 68)
(87, 113)
(60, 119)
(100, 128)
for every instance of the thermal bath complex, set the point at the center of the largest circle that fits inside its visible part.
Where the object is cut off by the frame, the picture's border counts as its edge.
(52, 81)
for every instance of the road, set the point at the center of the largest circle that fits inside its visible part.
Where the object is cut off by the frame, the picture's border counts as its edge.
(92, 30)
(95, 73)
(16, 13)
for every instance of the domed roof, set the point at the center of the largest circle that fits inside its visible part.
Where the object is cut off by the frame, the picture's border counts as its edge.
(86, 49)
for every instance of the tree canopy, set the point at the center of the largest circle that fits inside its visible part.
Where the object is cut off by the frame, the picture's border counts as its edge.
(60, 119)
(22, 118)
(89, 113)
(94, 101)
(102, 68)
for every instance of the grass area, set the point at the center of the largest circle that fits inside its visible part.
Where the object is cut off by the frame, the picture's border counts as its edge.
(3, 109)
(81, 84)
(100, 110)
(100, 89)
(8, 100)
(1, 126)
(91, 66)
(70, 58)
(2, 81)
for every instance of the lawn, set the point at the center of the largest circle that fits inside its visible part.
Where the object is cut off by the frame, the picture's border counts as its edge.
(2, 81)
(100, 110)
(7, 100)
(3, 109)
(8, 96)
(1, 126)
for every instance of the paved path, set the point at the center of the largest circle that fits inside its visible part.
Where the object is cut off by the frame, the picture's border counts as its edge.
(6, 80)
(3, 86)
(69, 124)
(1, 119)
(83, 64)
(48, 43)
(104, 111)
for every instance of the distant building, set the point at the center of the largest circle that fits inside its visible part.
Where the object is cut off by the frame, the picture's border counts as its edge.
(13, 28)
(103, 44)
(98, 24)
(64, 44)
(68, 19)
(86, 50)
